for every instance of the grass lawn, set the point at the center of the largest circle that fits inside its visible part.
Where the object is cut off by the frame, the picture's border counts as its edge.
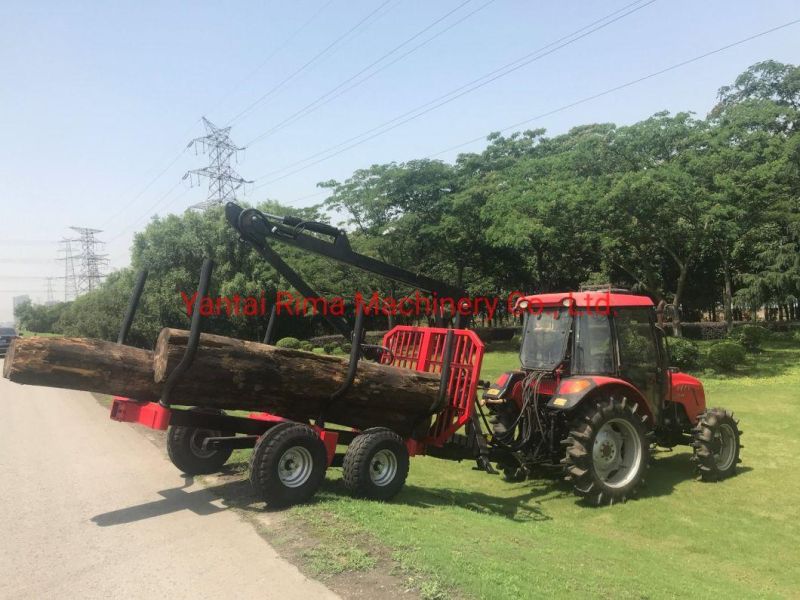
(27, 333)
(464, 533)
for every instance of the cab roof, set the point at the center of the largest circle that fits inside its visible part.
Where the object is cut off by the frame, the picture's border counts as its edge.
(587, 299)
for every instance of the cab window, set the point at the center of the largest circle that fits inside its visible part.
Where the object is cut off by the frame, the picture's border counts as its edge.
(637, 347)
(593, 347)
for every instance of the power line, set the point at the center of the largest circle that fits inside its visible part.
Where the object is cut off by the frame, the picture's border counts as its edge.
(19, 242)
(177, 157)
(151, 210)
(308, 63)
(146, 187)
(28, 261)
(271, 55)
(623, 85)
(329, 95)
(247, 109)
(469, 87)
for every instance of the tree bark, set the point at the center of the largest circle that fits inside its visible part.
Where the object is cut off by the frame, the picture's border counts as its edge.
(235, 374)
(82, 364)
(676, 314)
(727, 296)
(231, 374)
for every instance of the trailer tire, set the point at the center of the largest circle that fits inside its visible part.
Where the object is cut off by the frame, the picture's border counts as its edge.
(288, 464)
(184, 447)
(376, 464)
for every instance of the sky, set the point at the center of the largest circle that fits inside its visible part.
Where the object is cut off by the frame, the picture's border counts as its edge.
(99, 100)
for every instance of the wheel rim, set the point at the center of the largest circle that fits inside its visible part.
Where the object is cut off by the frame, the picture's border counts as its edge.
(295, 466)
(196, 443)
(617, 453)
(726, 443)
(383, 467)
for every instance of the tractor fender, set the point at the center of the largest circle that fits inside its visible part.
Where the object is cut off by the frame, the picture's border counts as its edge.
(573, 392)
(688, 392)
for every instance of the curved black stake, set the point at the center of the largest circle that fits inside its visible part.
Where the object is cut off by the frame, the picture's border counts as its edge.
(444, 382)
(355, 354)
(133, 304)
(194, 334)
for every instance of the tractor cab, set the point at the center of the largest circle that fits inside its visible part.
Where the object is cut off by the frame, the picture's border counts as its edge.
(596, 334)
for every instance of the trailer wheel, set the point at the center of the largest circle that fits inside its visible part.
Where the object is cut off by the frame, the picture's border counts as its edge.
(376, 464)
(716, 444)
(185, 450)
(288, 464)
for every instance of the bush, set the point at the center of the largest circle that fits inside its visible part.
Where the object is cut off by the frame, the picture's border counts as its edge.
(346, 347)
(288, 342)
(516, 340)
(706, 330)
(751, 336)
(797, 336)
(726, 355)
(330, 347)
(683, 353)
(307, 346)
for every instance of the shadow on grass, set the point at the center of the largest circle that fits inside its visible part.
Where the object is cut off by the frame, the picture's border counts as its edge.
(771, 362)
(669, 470)
(526, 505)
(777, 359)
(520, 508)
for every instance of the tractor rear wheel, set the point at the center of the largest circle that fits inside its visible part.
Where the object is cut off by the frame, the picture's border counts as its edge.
(288, 464)
(608, 451)
(185, 450)
(376, 464)
(716, 444)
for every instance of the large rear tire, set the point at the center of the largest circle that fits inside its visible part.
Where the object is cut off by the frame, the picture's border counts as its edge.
(608, 451)
(716, 444)
(185, 450)
(376, 464)
(288, 464)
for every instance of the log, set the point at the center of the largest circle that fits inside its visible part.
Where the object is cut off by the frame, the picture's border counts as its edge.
(82, 364)
(230, 374)
(236, 374)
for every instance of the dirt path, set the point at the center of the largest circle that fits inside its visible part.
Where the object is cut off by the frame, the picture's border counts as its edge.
(92, 509)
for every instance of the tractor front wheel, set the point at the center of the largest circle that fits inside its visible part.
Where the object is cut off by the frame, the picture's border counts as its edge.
(185, 450)
(288, 464)
(376, 464)
(716, 444)
(608, 451)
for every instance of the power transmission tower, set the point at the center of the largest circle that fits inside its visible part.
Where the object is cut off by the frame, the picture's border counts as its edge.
(92, 263)
(50, 296)
(223, 180)
(70, 277)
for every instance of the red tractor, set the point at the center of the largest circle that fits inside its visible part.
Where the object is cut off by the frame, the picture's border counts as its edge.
(595, 392)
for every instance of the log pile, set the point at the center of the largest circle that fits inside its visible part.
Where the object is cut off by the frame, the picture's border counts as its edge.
(230, 374)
